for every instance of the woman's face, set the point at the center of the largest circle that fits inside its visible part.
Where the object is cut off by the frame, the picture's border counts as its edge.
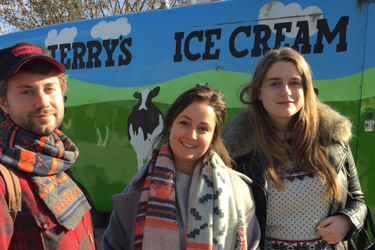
(282, 93)
(191, 135)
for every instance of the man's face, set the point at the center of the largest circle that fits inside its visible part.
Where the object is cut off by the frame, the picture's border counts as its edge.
(34, 102)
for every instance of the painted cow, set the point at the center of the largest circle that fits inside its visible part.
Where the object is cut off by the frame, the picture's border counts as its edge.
(144, 124)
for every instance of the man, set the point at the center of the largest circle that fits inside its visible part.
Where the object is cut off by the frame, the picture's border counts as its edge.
(55, 213)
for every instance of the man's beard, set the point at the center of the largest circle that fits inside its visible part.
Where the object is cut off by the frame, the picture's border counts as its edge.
(39, 128)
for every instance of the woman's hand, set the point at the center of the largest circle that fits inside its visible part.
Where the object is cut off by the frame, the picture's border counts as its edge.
(334, 229)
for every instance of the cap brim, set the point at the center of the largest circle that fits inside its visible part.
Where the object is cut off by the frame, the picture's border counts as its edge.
(55, 63)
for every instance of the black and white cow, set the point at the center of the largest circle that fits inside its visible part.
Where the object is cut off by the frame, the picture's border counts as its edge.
(144, 124)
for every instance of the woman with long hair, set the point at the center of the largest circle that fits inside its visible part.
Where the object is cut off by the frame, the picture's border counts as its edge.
(295, 149)
(187, 196)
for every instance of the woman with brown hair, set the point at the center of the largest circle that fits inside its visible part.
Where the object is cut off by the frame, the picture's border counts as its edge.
(295, 149)
(187, 197)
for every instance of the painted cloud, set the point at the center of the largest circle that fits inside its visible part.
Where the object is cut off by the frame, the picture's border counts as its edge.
(106, 30)
(66, 35)
(276, 12)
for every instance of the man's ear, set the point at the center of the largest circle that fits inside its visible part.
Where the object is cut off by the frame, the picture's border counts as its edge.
(3, 104)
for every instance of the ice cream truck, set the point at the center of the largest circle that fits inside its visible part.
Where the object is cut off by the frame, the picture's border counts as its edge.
(124, 71)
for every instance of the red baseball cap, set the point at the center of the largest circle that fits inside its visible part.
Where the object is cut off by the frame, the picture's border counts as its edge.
(12, 58)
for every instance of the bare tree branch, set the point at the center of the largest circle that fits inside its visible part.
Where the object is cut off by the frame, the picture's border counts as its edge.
(27, 14)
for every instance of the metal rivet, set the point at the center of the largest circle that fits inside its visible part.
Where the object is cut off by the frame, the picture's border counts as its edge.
(45, 224)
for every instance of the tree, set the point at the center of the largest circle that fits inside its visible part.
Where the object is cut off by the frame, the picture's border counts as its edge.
(27, 14)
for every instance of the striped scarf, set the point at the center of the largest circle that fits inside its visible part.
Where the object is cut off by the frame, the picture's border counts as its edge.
(45, 159)
(212, 221)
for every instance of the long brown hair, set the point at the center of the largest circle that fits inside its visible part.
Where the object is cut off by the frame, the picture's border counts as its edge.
(211, 97)
(308, 153)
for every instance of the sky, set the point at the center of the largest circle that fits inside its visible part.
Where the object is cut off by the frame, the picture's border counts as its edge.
(3, 28)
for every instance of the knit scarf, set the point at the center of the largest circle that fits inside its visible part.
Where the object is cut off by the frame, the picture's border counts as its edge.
(212, 221)
(45, 159)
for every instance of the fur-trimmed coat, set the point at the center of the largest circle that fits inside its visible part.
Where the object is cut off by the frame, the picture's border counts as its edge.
(336, 133)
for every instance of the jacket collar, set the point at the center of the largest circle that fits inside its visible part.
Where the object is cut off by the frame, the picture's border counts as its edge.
(239, 135)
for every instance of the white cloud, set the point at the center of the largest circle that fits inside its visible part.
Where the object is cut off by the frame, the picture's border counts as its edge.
(106, 30)
(66, 35)
(276, 12)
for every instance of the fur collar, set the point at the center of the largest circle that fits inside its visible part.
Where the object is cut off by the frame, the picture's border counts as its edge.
(238, 137)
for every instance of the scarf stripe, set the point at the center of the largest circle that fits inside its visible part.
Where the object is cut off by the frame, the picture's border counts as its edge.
(25, 162)
(157, 209)
(53, 167)
(192, 245)
(65, 216)
(12, 137)
(42, 140)
(165, 224)
(50, 188)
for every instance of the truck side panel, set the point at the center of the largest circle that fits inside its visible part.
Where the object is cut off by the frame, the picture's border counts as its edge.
(124, 72)
(366, 134)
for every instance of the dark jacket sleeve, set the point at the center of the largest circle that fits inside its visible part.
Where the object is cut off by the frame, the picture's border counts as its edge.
(121, 229)
(354, 206)
(252, 167)
(114, 236)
